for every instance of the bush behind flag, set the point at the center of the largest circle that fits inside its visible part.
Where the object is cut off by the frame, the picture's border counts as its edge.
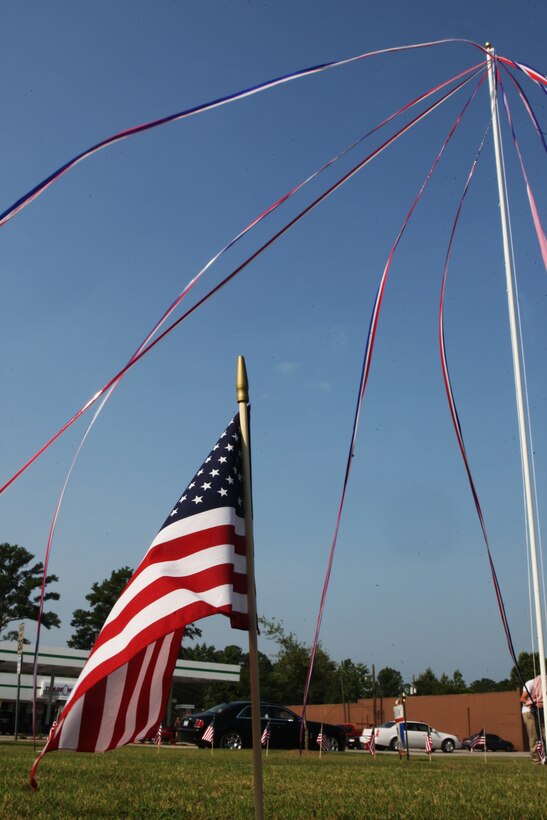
(195, 567)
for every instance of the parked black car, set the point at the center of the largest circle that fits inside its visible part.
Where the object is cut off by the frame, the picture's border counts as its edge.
(7, 722)
(494, 743)
(232, 728)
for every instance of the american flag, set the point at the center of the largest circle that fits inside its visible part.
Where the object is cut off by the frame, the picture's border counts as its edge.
(540, 749)
(370, 745)
(265, 734)
(209, 734)
(322, 740)
(157, 739)
(52, 729)
(428, 744)
(195, 567)
(478, 740)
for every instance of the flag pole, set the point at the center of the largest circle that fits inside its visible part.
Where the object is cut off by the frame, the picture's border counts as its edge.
(242, 386)
(523, 432)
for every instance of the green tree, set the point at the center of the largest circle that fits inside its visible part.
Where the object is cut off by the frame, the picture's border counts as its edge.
(451, 686)
(87, 623)
(352, 681)
(458, 682)
(291, 667)
(483, 685)
(529, 666)
(389, 683)
(20, 586)
(427, 683)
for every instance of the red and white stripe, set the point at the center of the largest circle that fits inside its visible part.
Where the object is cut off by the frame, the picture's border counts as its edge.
(195, 567)
(209, 734)
(531, 73)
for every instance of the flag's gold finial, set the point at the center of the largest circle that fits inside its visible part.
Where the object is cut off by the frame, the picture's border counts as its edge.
(488, 46)
(242, 384)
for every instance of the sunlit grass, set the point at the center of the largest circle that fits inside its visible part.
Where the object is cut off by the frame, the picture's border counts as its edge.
(186, 782)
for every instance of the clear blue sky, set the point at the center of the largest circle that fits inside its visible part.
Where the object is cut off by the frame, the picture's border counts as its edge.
(90, 266)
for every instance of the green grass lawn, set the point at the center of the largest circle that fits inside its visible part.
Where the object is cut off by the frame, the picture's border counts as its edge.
(184, 782)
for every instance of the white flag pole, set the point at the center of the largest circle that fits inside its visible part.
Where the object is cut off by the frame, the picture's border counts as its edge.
(243, 402)
(523, 432)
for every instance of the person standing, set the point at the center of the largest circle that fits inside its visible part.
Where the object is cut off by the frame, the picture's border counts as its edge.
(531, 701)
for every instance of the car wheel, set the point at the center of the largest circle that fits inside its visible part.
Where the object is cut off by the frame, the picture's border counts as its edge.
(394, 744)
(231, 739)
(448, 745)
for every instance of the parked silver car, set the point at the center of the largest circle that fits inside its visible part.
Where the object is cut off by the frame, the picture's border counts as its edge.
(387, 737)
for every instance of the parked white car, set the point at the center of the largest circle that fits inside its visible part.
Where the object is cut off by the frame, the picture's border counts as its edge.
(387, 737)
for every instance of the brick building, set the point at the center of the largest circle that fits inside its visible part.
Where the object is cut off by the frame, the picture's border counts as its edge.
(462, 715)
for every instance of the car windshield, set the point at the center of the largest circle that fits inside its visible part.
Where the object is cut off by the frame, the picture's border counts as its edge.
(387, 725)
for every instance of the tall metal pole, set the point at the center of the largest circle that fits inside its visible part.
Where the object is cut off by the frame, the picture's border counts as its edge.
(523, 433)
(243, 402)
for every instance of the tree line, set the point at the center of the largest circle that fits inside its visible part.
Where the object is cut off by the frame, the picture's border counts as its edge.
(281, 676)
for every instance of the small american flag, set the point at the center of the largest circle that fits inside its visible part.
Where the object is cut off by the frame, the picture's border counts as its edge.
(370, 745)
(209, 734)
(428, 744)
(322, 741)
(265, 734)
(478, 740)
(157, 739)
(540, 749)
(52, 729)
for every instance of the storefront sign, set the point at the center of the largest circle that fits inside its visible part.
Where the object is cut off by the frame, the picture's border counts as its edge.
(60, 690)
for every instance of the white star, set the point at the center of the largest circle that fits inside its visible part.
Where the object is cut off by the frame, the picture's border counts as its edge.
(229, 447)
(207, 460)
(229, 479)
(182, 498)
(206, 485)
(173, 513)
(223, 459)
(198, 499)
(193, 484)
(199, 472)
(224, 433)
(235, 437)
(223, 492)
(216, 446)
(214, 472)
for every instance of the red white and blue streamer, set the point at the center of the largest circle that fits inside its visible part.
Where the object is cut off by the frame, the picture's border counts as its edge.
(367, 360)
(42, 186)
(532, 73)
(540, 233)
(148, 347)
(457, 424)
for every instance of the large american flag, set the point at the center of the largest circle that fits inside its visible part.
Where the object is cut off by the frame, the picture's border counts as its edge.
(195, 567)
